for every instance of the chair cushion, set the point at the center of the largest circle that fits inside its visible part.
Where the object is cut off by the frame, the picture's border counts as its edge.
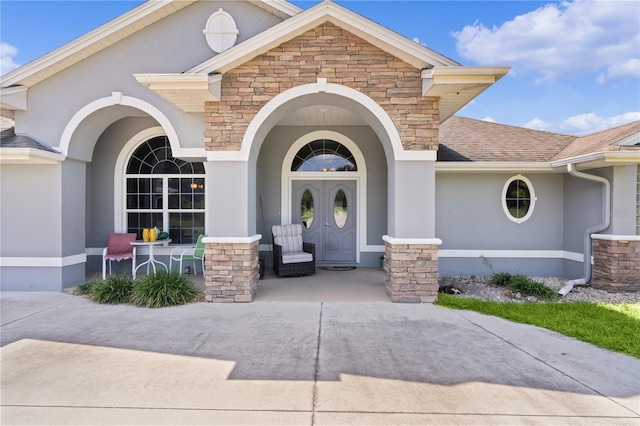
(119, 245)
(288, 236)
(298, 257)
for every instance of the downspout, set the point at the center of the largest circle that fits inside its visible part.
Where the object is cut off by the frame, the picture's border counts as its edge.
(606, 220)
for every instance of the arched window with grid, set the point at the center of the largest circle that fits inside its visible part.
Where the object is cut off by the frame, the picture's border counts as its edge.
(324, 155)
(165, 192)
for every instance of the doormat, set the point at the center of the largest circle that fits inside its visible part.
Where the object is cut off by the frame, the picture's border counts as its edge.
(338, 268)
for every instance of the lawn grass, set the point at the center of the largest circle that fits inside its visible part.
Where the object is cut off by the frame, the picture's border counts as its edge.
(610, 326)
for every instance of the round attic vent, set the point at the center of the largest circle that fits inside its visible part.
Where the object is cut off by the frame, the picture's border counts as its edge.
(221, 31)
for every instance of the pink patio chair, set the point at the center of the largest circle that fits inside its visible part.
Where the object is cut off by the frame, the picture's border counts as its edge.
(119, 248)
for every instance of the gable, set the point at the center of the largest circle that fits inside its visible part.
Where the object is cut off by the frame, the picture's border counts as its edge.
(115, 31)
(325, 52)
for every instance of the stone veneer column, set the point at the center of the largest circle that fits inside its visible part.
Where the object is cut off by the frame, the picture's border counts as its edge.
(411, 268)
(231, 268)
(616, 262)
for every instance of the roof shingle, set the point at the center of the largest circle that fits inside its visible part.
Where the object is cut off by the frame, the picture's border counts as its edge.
(9, 139)
(465, 139)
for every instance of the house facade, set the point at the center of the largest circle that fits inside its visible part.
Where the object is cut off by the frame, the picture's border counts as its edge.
(225, 118)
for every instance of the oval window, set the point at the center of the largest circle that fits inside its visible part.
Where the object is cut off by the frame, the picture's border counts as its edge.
(518, 199)
(306, 209)
(340, 211)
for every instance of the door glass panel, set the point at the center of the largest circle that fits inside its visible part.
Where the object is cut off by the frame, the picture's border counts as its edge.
(306, 209)
(340, 209)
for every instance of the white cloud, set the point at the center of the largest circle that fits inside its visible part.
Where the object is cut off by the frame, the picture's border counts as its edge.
(588, 123)
(628, 70)
(583, 124)
(489, 119)
(560, 39)
(7, 53)
(537, 124)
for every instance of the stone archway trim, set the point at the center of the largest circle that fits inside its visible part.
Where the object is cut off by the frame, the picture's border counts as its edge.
(321, 86)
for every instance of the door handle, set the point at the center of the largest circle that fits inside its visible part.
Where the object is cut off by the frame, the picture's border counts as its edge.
(326, 221)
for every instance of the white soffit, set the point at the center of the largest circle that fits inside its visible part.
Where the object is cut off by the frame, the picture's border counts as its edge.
(456, 86)
(401, 47)
(188, 92)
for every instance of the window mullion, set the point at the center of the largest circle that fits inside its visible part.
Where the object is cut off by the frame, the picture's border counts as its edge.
(165, 203)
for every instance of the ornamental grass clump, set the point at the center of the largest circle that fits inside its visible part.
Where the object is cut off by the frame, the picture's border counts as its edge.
(524, 285)
(163, 289)
(116, 288)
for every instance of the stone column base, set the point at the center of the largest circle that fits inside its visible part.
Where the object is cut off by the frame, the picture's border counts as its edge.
(411, 267)
(616, 262)
(231, 268)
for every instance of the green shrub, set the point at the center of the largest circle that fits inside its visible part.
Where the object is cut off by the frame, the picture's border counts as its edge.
(163, 289)
(524, 285)
(116, 288)
(87, 288)
(501, 279)
(530, 287)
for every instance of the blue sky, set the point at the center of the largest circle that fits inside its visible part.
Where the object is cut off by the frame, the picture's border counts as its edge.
(575, 65)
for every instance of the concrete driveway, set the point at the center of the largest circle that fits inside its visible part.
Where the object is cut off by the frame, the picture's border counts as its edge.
(66, 360)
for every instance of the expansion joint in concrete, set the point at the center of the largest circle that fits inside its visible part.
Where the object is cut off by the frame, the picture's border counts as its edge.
(317, 368)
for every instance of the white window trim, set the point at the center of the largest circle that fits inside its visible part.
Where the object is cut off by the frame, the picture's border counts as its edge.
(532, 194)
(120, 178)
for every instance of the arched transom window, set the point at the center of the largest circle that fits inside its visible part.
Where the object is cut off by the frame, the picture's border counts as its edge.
(324, 155)
(166, 192)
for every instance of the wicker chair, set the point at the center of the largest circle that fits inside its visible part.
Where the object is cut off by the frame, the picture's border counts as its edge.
(291, 256)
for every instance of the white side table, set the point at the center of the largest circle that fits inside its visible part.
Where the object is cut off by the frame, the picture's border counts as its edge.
(151, 262)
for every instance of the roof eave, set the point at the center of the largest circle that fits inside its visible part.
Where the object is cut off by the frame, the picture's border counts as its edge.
(188, 92)
(281, 8)
(601, 159)
(13, 99)
(456, 86)
(493, 166)
(29, 156)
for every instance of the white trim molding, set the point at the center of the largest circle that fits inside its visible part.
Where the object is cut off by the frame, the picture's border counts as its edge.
(117, 98)
(43, 262)
(29, 156)
(232, 240)
(412, 241)
(532, 199)
(512, 254)
(609, 237)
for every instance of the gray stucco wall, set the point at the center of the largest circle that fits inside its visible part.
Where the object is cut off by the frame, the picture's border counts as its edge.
(469, 216)
(31, 225)
(623, 200)
(583, 208)
(30, 212)
(100, 177)
(269, 174)
(172, 45)
(469, 213)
